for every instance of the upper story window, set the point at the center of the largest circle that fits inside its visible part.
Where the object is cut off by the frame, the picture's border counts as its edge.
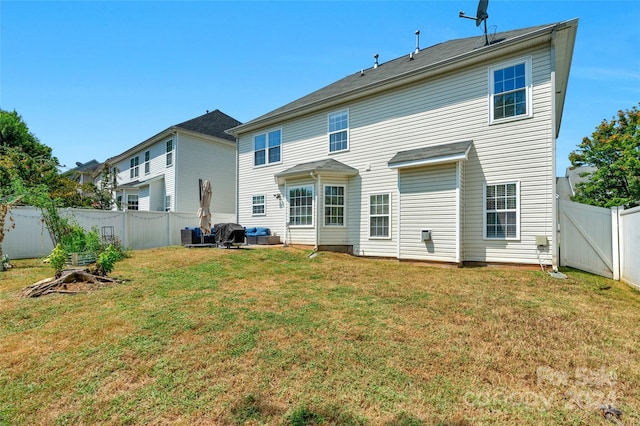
(301, 205)
(134, 170)
(333, 205)
(501, 212)
(267, 148)
(258, 205)
(147, 164)
(510, 89)
(339, 131)
(169, 152)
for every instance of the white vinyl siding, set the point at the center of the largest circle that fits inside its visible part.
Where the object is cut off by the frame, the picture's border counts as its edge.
(428, 200)
(449, 108)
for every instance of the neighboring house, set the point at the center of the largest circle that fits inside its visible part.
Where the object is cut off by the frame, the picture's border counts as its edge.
(566, 186)
(457, 139)
(83, 172)
(164, 172)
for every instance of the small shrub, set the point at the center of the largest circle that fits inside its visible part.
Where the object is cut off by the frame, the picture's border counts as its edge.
(58, 258)
(107, 260)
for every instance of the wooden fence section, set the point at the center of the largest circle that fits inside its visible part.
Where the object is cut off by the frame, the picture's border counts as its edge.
(135, 229)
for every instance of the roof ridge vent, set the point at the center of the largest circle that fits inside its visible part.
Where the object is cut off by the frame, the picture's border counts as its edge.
(375, 63)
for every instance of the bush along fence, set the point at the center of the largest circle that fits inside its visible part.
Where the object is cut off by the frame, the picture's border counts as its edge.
(134, 229)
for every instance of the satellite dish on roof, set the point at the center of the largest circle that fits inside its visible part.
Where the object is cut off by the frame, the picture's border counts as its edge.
(481, 16)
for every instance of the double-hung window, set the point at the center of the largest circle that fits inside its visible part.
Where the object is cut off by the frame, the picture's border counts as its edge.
(333, 205)
(147, 164)
(301, 205)
(510, 90)
(132, 202)
(167, 203)
(501, 211)
(169, 152)
(379, 215)
(258, 205)
(134, 170)
(266, 148)
(339, 131)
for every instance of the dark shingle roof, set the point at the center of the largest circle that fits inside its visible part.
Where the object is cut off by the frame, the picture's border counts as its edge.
(213, 123)
(430, 153)
(396, 69)
(327, 165)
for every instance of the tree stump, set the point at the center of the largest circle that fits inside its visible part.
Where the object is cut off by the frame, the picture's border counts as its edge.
(67, 278)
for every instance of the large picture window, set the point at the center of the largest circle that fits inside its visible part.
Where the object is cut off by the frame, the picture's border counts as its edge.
(501, 211)
(301, 206)
(379, 216)
(267, 148)
(510, 90)
(333, 205)
(339, 131)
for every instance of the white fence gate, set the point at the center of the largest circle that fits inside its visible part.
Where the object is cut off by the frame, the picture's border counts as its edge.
(136, 229)
(600, 240)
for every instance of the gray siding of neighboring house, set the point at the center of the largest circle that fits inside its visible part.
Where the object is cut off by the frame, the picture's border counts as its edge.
(204, 158)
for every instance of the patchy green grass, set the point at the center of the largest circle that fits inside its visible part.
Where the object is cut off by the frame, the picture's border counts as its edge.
(269, 336)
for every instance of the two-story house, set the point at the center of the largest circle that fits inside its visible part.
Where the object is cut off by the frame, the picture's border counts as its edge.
(446, 154)
(164, 172)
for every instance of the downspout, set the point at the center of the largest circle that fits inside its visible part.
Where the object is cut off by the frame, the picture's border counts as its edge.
(174, 197)
(554, 202)
(238, 181)
(316, 178)
(458, 212)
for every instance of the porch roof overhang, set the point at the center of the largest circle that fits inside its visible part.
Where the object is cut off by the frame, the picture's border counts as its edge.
(326, 167)
(139, 184)
(431, 155)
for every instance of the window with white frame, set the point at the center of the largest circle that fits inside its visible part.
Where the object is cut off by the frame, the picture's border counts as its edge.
(258, 205)
(510, 89)
(169, 152)
(339, 131)
(134, 169)
(501, 214)
(333, 205)
(267, 148)
(301, 205)
(167, 203)
(379, 215)
(147, 164)
(132, 202)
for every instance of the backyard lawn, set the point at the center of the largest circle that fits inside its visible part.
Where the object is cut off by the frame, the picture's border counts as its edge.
(271, 336)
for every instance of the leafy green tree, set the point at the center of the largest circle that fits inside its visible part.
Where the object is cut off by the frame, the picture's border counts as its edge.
(614, 149)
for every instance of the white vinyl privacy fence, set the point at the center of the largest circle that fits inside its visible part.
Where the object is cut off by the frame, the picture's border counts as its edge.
(135, 229)
(600, 240)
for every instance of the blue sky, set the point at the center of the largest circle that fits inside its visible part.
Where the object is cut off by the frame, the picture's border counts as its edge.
(93, 78)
